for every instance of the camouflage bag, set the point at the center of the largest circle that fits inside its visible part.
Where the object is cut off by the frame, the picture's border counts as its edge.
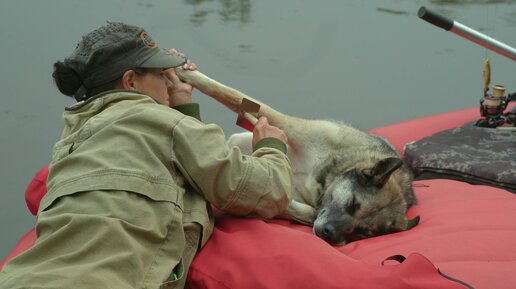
(472, 154)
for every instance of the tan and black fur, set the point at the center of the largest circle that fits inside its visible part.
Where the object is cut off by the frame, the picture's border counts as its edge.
(349, 184)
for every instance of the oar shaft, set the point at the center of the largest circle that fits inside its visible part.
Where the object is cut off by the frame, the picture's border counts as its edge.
(467, 32)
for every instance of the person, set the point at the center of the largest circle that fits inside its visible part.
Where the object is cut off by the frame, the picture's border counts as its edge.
(134, 175)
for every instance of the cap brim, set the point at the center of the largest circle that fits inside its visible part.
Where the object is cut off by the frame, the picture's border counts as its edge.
(163, 59)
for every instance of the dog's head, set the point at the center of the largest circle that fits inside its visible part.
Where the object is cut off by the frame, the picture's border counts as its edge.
(363, 203)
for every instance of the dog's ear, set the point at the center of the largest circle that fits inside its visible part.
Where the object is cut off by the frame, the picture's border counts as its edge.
(379, 174)
(412, 223)
(403, 224)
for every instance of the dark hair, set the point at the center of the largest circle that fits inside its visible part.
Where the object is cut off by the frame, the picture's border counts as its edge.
(68, 81)
(102, 56)
(94, 50)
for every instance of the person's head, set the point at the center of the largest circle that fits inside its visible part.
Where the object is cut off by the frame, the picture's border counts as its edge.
(113, 56)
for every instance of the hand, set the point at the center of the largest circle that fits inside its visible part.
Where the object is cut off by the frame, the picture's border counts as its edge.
(179, 92)
(263, 129)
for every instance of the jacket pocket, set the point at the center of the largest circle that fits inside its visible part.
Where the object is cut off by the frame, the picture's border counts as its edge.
(176, 277)
(197, 216)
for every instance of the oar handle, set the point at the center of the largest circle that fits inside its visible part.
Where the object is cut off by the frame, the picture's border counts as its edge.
(251, 118)
(466, 32)
(435, 19)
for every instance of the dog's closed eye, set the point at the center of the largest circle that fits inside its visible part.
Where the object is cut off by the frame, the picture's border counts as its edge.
(352, 206)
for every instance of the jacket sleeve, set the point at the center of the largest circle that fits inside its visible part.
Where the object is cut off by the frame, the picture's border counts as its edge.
(239, 184)
(190, 109)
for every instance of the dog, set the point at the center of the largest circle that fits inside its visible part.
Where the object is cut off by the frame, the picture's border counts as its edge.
(348, 184)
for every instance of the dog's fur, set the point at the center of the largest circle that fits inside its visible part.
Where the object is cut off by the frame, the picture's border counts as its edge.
(348, 184)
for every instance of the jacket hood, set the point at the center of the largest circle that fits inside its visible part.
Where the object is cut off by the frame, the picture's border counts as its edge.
(77, 115)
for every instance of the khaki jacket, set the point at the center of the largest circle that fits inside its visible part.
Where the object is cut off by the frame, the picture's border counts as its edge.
(145, 174)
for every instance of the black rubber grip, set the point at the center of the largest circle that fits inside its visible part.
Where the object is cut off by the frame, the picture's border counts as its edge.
(434, 18)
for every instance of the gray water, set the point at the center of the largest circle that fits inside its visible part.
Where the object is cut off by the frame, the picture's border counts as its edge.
(369, 63)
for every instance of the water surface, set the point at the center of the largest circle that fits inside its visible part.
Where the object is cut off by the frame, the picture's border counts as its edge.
(369, 63)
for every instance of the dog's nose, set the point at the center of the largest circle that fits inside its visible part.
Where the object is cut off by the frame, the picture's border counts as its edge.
(327, 232)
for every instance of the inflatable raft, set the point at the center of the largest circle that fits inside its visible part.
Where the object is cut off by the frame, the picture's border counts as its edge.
(465, 238)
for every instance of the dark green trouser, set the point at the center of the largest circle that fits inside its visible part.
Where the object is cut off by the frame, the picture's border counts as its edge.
(102, 239)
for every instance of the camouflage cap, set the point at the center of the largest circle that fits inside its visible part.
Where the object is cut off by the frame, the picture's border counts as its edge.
(104, 54)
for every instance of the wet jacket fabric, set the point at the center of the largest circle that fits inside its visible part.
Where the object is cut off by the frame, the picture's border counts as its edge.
(129, 192)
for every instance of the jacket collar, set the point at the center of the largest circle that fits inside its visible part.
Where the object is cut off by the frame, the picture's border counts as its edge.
(79, 114)
(110, 94)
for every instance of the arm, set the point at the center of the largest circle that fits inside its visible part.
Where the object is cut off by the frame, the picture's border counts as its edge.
(259, 184)
(238, 184)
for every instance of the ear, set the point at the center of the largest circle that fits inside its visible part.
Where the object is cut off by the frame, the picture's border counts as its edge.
(412, 223)
(380, 173)
(404, 224)
(129, 80)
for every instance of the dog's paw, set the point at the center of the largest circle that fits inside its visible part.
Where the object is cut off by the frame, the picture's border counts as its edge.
(243, 141)
(301, 213)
